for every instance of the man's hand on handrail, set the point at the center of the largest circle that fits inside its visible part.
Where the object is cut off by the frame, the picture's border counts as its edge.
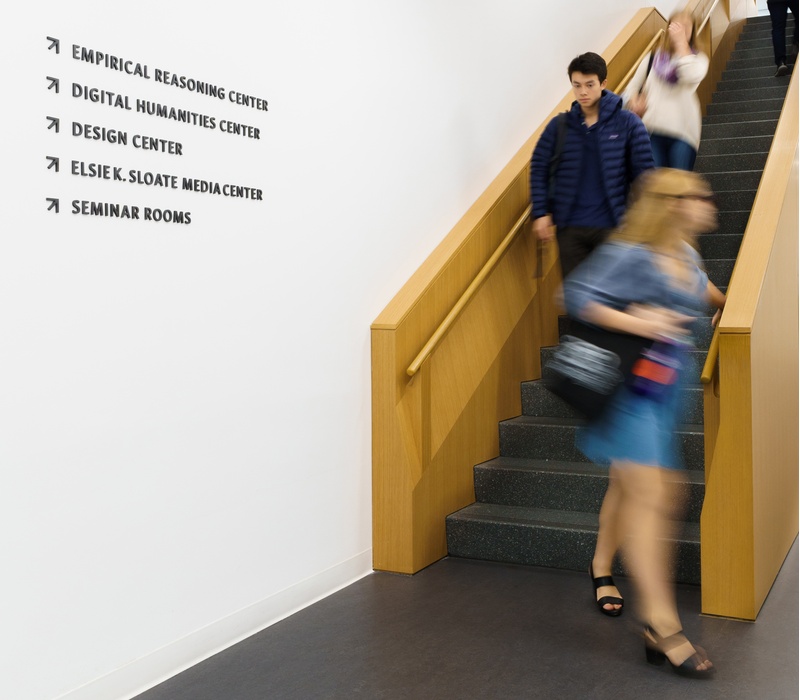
(544, 228)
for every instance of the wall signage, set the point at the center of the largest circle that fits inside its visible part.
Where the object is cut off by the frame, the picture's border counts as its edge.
(163, 176)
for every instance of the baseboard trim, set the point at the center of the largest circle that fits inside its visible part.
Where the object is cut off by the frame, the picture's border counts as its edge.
(148, 671)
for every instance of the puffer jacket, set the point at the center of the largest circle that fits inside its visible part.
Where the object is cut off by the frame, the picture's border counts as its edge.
(624, 153)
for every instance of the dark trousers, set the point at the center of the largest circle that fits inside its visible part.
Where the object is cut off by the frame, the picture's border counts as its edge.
(575, 243)
(670, 152)
(778, 10)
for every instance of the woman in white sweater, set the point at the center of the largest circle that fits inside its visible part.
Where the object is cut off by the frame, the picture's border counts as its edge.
(663, 94)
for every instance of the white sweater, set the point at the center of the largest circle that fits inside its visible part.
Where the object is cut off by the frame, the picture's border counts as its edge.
(672, 108)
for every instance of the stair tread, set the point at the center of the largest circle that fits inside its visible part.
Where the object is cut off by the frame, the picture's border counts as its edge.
(730, 172)
(578, 422)
(690, 386)
(548, 518)
(740, 123)
(526, 464)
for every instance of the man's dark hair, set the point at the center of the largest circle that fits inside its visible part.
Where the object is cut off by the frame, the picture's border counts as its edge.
(589, 64)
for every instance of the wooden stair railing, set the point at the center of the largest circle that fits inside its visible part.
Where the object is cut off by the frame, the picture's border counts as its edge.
(750, 515)
(429, 430)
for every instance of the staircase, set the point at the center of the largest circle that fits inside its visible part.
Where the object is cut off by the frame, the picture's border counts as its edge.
(537, 503)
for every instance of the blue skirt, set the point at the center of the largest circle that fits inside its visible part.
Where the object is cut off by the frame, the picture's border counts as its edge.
(637, 429)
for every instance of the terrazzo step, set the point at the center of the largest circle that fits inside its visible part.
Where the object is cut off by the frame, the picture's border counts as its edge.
(544, 437)
(765, 78)
(761, 59)
(538, 400)
(538, 502)
(743, 161)
(735, 145)
(744, 106)
(761, 23)
(735, 200)
(762, 31)
(754, 52)
(753, 35)
(725, 182)
(719, 271)
(545, 537)
(732, 223)
(568, 486)
(756, 94)
(740, 129)
(719, 245)
(755, 73)
(735, 118)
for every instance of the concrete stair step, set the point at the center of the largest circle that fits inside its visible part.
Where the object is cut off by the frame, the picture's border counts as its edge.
(730, 162)
(538, 501)
(744, 106)
(568, 486)
(554, 438)
(754, 94)
(733, 118)
(743, 145)
(754, 52)
(732, 222)
(768, 80)
(547, 537)
(760, 22)
(719, 271)
(763, 128)
(719, 245)
(753, 35)
(731, 181)
(756, 73)
(735, 200)
(538, 400)
(763, 58)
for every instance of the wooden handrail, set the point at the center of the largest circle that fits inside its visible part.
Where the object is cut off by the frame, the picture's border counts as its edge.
(708, 16)
(463, 300)
(430, 429)
(459, 306)
(711, 358)
(627, 77)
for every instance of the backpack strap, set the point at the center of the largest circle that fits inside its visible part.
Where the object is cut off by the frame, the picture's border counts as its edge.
(647, 72)
(561, 136)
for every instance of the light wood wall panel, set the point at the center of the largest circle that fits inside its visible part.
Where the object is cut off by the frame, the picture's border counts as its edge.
(726, 530)
(750, 515)
(717, 38)
(774, 348)
(429, 430)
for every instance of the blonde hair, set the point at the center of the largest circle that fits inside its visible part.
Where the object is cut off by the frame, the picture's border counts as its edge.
(685, 17)
(649, 220)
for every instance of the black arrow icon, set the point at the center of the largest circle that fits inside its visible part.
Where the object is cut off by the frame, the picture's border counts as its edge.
(53, 203)
(53, 162)
(54, 42)
(54, 122)
(54, 83)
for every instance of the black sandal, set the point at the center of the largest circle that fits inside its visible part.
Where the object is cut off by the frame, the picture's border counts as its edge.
(656, 648)
(599, 582)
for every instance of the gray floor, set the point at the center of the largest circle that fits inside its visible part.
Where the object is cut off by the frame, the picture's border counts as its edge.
(467, 629)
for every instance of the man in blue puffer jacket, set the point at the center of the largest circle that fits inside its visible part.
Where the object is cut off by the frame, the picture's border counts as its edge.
(603, 149)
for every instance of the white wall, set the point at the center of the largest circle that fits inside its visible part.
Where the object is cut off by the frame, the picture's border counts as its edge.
(185, 409)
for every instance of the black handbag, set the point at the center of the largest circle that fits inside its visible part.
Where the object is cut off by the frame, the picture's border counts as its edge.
(590, 364)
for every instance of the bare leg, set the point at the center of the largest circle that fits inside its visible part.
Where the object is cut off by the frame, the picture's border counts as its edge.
(648, 496)
(609, 540)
